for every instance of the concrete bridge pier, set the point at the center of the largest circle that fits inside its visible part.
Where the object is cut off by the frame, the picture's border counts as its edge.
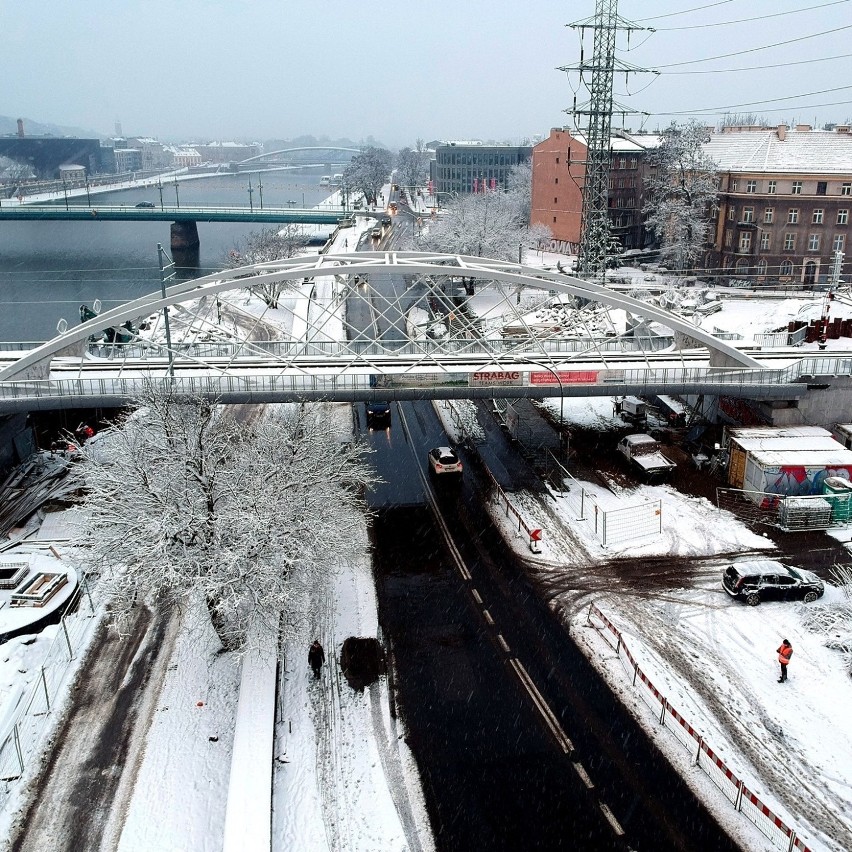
(185, 236)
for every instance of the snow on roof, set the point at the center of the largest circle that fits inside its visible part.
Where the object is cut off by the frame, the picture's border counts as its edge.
(801, 151)
(802, 443)
(804, 458)
(776, 431)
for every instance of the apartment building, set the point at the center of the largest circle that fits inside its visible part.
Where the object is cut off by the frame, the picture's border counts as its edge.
(784, 203)
(558, 171)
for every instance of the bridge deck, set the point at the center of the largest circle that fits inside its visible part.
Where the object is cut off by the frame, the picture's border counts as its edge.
(123, 213)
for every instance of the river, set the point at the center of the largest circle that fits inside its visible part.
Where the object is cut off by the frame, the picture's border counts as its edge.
(48, 269)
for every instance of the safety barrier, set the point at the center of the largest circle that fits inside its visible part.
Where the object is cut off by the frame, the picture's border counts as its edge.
(21, 739)
(733, 788)
(612, 525)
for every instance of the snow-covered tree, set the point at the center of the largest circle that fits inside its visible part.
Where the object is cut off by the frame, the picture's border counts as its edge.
(412, 168)
(265, 245)
(185, 502)
(519, 189)
(484, 225)
(368, 171)
(682, 192)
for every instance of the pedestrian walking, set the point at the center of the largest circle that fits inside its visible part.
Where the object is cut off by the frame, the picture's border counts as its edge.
(316, 657)
(784, 654)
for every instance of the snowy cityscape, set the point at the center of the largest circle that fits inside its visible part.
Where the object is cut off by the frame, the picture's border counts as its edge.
(441, 460)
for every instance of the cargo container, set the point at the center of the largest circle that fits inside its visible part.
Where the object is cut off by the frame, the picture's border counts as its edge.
(843, 433)
(742, 441)
(793, 473)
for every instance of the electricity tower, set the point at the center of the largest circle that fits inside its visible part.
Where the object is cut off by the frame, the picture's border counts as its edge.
(596, 76)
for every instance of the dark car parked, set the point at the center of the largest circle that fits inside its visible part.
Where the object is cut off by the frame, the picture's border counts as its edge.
(147, 204)
(760, 580)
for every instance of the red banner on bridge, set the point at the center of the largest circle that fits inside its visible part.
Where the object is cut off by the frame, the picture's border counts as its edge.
(567, 377)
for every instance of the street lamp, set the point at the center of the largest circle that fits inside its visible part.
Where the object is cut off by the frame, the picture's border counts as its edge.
(250, 191)
(88, 197)
(65, 190)
(160, 187)
(177, 194)
(260, 189)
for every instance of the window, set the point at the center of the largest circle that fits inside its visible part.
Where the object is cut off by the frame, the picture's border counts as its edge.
(768, 215)
(622, 163)
(729, 238)
(748, 214)
(732, 214)
(556, 180)
(745, 241)
(813, 242)
(761, 266)
(789, 242)
(786, 268)
(557, 161)
(735, 184)
(634, 163)
(751, 186)
(554, 220)
(771, 187)
(818, 216)
(846, 188)
(842, 217)
(555, 200)
(822, 187)
(765, 241)
(797, 188)
(793, 215)
(838, 242)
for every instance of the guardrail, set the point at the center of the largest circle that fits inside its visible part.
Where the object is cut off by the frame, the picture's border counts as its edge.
(744, 800)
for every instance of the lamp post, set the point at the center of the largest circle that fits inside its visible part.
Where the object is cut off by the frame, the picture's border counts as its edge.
(160, 187)
(65, 190)
(250, 191)
(177, 194)
(260, 189)
(561, 407)
(88, 197)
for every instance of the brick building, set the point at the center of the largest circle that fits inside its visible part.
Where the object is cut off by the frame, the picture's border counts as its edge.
(784, 204)
(558, 170)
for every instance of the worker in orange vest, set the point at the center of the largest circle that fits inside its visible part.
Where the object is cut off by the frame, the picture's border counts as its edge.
(784, 654)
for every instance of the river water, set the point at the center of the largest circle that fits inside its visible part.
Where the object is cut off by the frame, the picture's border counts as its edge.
(48, 269)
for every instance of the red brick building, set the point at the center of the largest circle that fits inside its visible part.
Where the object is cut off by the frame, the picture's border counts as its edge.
(558, 170)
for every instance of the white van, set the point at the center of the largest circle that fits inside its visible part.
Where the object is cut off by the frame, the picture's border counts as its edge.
(325, 180)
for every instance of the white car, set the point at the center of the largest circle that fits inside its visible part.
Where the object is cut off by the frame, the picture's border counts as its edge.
(444, 460)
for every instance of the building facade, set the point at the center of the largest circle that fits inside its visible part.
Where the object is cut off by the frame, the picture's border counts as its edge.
(558, 172)
(784, 204)
(463, 167)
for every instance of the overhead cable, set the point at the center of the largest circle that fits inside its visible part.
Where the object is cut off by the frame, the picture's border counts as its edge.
(758, 67)
(686, 11)
(747, 20)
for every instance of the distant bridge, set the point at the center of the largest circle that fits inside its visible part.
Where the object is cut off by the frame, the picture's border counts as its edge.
(357, 335)
(123, 213)
(268, 154)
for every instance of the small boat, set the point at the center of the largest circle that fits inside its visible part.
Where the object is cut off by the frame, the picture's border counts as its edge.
(325, 180)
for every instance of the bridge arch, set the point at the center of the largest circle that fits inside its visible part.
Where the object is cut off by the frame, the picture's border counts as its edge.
(266, 154)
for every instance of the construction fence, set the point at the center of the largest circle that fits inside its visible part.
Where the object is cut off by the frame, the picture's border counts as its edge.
(787, 512)
(22, 731)
(613, 524)
(733, 788)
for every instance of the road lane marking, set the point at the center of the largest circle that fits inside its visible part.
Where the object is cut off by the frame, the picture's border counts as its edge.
(584, 776)
(487, 615)
(610, 818)
(476, 596)
(503, 644)
(544, 710)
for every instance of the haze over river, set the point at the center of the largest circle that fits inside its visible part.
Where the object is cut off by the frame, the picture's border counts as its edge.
(48, 269)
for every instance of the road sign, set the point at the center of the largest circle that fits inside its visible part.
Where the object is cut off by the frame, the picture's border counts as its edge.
(535, 535)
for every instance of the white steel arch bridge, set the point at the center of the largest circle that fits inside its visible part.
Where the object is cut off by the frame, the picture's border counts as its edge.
(390, 325)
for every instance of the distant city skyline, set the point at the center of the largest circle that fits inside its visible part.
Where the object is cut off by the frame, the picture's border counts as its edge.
(479, 70)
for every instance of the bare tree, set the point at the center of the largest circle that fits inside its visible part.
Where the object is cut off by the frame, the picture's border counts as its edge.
(266, 245)
(519, 189)
(184, 502)
(412, 168)
(484, 225)
(682, 193)
(368, 171)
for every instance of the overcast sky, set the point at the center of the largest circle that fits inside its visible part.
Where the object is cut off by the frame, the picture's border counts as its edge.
(398, 70)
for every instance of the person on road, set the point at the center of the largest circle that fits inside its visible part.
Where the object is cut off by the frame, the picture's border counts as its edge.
(316, 657)
(784, 654)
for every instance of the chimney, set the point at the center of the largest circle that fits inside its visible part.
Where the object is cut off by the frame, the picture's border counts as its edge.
(781, 130)
(804, 128)
(20, 128)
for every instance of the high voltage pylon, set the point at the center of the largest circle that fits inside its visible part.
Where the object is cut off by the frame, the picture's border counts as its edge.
(596, 76)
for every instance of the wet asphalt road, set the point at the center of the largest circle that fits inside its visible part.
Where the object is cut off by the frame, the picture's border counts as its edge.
(493, 774)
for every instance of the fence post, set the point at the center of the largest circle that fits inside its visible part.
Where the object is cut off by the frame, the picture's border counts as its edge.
(738, 804)
(792, 841)
(88, 593)
(635, 672)
(698, 750)
(18, 747)
(582, 504)
(67, 638)
(44, 684)
(618, 645)
(663, 712)
(603, 528)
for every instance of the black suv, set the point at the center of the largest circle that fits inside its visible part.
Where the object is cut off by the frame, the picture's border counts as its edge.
(759, 580)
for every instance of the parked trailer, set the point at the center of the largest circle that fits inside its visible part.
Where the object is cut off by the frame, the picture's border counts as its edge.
(843, 433)
(793, 473)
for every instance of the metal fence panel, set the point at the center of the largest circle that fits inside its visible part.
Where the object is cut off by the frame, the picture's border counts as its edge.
(650, 694)
(688, 736)
(718, 773)
(767, 823)
(632, 522)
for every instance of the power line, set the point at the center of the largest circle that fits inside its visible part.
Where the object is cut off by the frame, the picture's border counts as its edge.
(759, 67)
(687, 11)
(756, 49)
(723, 110)
(747, 20)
